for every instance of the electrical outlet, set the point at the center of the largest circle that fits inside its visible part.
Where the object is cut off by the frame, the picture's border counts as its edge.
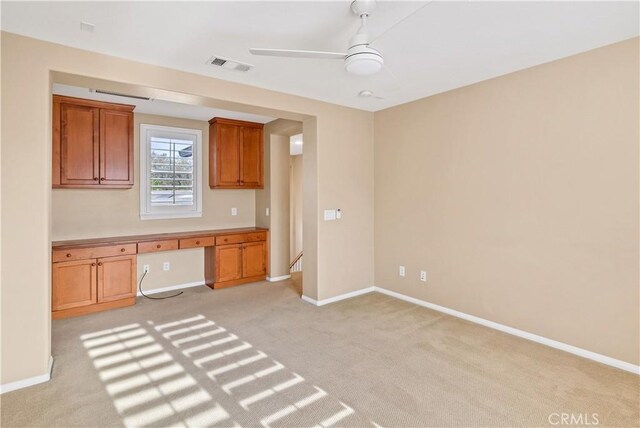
(166, 266)
(234, 211)
(145, 269)
(401, 271)
(423, 275)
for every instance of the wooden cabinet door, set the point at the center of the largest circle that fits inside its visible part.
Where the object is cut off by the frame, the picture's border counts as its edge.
(227, 152)
(254, 259)
(251, 157)
(116, 147)
(73, 284)
(228, 262)
(79, 144)
(116, 278)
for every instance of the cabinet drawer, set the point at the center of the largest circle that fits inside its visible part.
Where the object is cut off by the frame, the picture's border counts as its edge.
(205, 241)
(152, 246)
(240, 238)
(93, 252)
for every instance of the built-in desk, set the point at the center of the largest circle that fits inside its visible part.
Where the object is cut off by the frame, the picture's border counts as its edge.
(90, 275)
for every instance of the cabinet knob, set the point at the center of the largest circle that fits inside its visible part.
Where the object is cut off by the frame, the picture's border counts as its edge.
(197, 242)
(102, 178)
(99, 263)
(93, 264)
(68, 254)
(122, 250)
(225, 239)
(158, 246)
(95, 178)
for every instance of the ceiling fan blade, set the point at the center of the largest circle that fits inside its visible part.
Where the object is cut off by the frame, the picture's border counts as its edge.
(297, 53)
(401, 21)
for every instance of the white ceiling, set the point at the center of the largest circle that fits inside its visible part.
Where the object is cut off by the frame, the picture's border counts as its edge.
(160, 107)
(444, 46)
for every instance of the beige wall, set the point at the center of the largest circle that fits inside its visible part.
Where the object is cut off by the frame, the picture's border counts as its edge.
(295, 206)
(279, 230)
(311, 210)
(519, 197)
(275, 194)
(79, 213)
(186, 267)
(28, 67)
(263, 196)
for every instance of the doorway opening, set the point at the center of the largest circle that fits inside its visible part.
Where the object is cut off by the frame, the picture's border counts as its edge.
(296, 253)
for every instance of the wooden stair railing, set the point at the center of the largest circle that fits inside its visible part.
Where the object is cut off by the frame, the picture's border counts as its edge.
(295, 260)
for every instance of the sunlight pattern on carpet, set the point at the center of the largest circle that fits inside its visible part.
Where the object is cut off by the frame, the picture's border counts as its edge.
(148, 387)
(230, 382)
(260, 385)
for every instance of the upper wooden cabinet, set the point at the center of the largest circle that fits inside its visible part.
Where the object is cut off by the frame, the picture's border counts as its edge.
(92, 144)
(236, 154)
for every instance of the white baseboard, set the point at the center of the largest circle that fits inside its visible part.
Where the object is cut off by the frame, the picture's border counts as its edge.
(19, 384)
(314, 302)
(613, 362)
(278, 278)
(171, 288)
(337, 298)
(623, 365)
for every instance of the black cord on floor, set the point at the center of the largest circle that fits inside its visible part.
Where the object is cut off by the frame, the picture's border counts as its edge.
(154, 298)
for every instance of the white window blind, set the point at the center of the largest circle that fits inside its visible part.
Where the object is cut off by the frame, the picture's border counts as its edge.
(170, 172)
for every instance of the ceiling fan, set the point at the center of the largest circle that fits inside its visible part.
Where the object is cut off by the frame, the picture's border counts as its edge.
(360, 58)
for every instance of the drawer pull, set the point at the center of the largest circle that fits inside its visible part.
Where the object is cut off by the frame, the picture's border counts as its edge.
(225, 239)
(197, 242)
(122, 250)
(158, 246)
(68, 254)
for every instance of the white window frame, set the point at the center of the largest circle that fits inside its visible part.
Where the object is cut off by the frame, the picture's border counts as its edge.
(149, 212)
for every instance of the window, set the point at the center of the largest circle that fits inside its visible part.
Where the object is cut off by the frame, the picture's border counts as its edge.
(170, 172)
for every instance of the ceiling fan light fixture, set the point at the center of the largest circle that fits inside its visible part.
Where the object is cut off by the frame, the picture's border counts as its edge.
(363, 60)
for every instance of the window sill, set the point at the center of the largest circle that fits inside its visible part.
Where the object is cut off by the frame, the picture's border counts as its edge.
(169, 216)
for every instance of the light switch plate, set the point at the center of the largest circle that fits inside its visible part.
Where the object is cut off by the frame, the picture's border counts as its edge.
(329, 215)
(423, 276)
(267, 212)
(166, 266)
(401, 271)
(234, 211)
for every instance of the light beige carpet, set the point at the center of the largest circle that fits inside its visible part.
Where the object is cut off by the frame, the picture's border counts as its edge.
(257, 355)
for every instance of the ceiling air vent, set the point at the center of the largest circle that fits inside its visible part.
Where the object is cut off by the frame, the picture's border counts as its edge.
(229, 64)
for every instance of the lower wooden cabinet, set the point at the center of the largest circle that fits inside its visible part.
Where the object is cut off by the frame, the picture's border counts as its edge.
(74, 284)
(84, 286)
(116, 278)
(228, 261)
(99, 274)
(238, 263)
(254, 259)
